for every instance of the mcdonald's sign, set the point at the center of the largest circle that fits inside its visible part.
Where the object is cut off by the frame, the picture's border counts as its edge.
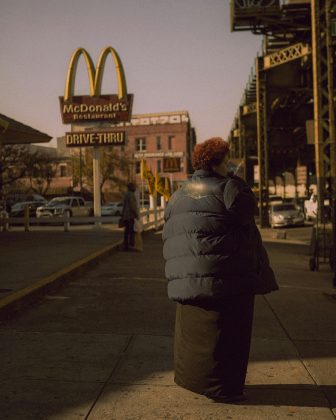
(95, 107)
(171, 164)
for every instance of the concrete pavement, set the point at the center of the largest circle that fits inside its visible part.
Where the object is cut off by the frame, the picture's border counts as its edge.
(37, 261)
(100, 347)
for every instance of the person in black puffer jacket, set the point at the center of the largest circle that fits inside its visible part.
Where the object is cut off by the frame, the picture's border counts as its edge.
(215, 264)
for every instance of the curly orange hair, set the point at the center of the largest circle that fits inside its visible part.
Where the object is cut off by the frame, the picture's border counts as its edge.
(210, 152)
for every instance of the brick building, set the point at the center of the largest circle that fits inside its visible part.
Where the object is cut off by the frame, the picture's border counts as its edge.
(164, 140)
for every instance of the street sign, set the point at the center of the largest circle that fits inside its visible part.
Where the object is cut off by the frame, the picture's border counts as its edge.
(97, 138)
(301, 175)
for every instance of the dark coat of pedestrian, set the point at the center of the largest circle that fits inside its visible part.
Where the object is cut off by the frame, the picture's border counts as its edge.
(215, 265)
(130, 212)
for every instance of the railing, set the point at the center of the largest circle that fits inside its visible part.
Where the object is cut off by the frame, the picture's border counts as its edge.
(150, 218)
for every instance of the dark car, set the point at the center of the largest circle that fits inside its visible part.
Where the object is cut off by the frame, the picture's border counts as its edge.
(12, 199)
(18, 209)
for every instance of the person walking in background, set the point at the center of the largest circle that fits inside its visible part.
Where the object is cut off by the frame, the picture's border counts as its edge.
(215, 264)
(130, 212)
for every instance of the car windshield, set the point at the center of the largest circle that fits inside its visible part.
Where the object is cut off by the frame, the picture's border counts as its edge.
(19, 206)
(113, 204)
(58, 201)
(284, 207)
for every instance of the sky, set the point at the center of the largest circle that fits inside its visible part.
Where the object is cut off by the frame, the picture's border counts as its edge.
(177, 55)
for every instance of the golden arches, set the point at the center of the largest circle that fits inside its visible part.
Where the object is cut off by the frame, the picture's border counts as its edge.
(95, 74)
(122, 89)
(70, 81)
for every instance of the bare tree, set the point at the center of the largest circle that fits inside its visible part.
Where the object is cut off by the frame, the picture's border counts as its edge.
(20, 162)
(114, 167)
(14, 163)
(41, 172)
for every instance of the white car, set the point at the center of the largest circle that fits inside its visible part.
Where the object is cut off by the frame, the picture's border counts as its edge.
(112, 209)
(64, 206)
(285, 214)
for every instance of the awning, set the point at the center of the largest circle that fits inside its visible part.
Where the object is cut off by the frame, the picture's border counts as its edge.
(14, 132)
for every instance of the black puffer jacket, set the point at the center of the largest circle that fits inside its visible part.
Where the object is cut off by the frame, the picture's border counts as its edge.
(212, 246)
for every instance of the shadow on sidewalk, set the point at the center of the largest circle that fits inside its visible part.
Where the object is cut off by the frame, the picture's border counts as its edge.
(107, 338)
(297, 395)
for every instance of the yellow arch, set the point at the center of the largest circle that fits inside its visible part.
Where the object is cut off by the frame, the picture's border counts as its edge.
(122, 88)
(72, 69)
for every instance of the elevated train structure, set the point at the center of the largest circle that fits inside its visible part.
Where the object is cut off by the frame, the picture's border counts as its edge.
(285, 121)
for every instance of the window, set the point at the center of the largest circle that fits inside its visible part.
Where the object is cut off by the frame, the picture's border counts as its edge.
(159, 166)
(63, 171)
(158, 143)
(170, 142)
(140, 144)
(137, 167)
(74, 203)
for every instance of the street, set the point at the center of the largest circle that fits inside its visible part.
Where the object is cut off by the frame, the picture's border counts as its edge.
(101, 346)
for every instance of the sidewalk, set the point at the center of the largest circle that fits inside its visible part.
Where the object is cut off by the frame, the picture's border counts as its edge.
(101, 347)
(35, 260)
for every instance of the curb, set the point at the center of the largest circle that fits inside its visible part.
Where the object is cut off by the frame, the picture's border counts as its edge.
(22, 298)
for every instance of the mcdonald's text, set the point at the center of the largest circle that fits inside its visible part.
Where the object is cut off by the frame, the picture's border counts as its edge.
(96, 108)
(97, 138)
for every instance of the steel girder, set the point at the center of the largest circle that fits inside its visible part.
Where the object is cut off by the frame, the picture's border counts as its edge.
(324, 131)
(262, 142)
(286, 40)
(324, 109)
(285, 55)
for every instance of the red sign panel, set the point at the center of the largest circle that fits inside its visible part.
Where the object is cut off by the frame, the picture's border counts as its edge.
(88, 108)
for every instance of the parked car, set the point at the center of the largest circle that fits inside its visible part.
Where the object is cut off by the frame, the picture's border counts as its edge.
(14, 198)
(285, 214)
(274, 199)
(64, 206)
(18, 209)
(112, 209)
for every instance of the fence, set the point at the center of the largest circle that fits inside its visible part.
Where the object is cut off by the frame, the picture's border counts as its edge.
(150, 218)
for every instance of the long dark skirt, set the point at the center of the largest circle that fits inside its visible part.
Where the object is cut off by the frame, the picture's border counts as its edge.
(212, 345)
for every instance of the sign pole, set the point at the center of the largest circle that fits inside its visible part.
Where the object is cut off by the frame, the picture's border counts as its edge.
(96, 184)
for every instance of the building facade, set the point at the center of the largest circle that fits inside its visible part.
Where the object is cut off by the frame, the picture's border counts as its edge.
(164, 140)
